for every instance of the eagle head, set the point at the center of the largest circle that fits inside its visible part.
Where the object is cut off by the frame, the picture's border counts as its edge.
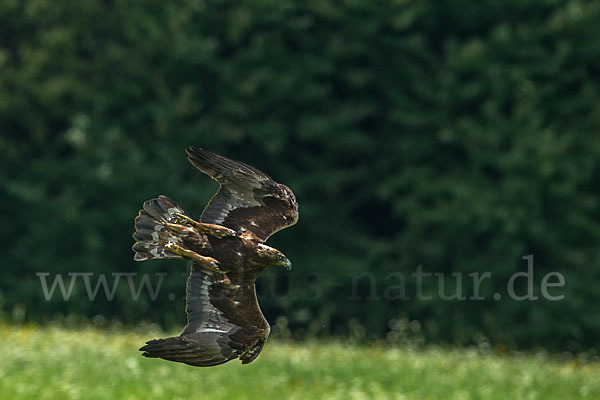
(273, 256)
(284, 262)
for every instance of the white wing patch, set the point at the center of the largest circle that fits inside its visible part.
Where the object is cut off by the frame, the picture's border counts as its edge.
(215, 330)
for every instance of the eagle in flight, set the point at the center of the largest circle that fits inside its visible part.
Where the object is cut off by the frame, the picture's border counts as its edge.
(228, 252)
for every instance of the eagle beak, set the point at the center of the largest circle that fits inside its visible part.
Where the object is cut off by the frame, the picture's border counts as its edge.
(288, 265)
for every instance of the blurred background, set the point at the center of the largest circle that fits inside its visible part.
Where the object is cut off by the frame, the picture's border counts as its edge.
(458, 136)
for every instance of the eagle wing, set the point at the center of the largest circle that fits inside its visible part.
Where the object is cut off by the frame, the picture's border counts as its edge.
(224, 322)
(248, 199)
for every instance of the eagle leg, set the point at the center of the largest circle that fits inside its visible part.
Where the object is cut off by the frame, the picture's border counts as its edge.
(207, 263)
(181, 231)
(217, 231)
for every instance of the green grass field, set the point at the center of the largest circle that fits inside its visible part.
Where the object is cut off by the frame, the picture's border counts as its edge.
(56, 363)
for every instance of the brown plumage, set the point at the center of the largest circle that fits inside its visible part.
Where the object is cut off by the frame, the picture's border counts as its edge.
(228, 253)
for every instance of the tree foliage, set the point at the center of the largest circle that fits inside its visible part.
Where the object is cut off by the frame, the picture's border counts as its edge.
(458, 136)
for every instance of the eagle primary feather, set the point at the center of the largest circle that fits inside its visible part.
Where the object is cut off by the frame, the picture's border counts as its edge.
(248, 199)
(224, 319)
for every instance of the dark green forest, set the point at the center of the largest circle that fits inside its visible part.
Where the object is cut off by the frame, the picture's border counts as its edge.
(451, 137)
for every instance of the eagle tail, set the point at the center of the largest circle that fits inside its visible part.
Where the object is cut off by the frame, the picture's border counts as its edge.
(151, 235)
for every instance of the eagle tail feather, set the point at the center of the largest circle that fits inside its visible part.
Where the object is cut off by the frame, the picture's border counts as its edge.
(151, 235)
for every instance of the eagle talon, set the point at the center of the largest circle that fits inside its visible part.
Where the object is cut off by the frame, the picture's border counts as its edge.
(224, 232)
(215, 268)
(207, 263)
(181, 219)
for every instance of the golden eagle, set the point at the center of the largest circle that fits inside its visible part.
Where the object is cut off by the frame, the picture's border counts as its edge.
(228, 253)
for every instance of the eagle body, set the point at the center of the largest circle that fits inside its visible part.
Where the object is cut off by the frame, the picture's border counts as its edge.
(228, 251)
(243, 256)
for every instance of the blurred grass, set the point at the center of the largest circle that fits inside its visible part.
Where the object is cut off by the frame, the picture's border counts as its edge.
(90, 363)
